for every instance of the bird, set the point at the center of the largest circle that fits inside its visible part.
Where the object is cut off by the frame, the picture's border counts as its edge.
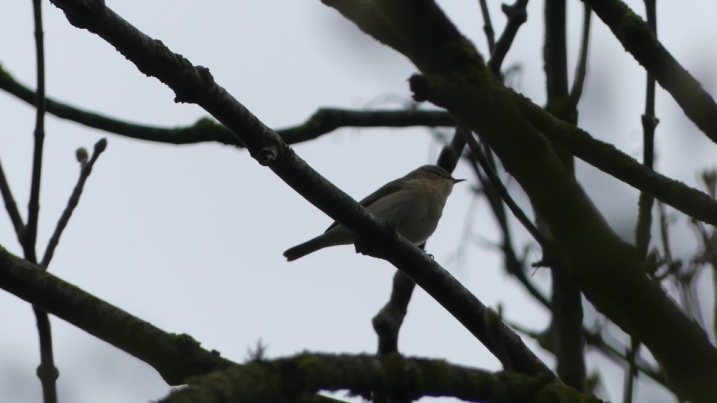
(413, 203)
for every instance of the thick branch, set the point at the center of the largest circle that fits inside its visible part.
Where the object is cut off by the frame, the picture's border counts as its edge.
(175, 357)
(601, 155)
(401, 379)
(373, 236)
(323, 121)
(608, 271)
(639, 39)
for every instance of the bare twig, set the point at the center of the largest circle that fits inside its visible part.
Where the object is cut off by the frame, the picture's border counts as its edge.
(72, 203)
(10, 204)
(487, 26)
(475, 148)
(47, 372)
(517, 15)
(581, 70)
(513, 265)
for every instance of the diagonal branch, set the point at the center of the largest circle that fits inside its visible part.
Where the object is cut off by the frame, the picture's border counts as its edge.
(10, 204)
(72, 203)
(175, 357)
(639, 39)
(599, 154)
(373, 236)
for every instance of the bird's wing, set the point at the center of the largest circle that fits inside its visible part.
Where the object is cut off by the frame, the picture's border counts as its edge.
(385, 190)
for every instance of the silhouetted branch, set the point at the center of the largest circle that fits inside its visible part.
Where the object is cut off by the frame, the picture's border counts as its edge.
(639, 39)
(372, 236)
(46, 371)
(487, 25)
(72, 203)
(10, 204)
(323, 121)
(175, 357)
(387, 323)
(517, 15)
(502, 191)
(606, 268)
(581, 70)
(513, 265)
(401, 379)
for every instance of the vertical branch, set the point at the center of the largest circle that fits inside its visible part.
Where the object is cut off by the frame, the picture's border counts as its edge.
(389, 319)
(581, 70)
(646, 201)
(631, 373)
(567, 321)
(487, 26)
(29, 236)
(46, 371)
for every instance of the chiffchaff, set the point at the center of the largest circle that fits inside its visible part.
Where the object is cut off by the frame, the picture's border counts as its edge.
(413, 203)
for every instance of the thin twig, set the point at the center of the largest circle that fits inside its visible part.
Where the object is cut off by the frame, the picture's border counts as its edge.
(47, 372)
(10, 204)
(72, 203)
(581, 70)
(487, 26)
(513, 265)
(496, 182)
(517, 15)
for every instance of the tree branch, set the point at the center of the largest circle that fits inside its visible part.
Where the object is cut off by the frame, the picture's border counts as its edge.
(566, 327)
(387, 323)
(581, 70)
(607, 270)
(401, 379)
(46, 371)
(517, 15)
(10, 204)
(639, 39)
(372, 236)
(175, 357)
(72, 203)
(487, 25)
(601, 155)
(323, 121)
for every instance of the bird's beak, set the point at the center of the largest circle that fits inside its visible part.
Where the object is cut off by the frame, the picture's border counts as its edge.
(457, 180)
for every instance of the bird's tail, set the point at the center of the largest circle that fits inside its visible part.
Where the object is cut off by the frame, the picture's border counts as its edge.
(307, 247)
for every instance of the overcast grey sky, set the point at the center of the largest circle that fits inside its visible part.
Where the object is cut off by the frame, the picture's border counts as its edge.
(190, 238)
